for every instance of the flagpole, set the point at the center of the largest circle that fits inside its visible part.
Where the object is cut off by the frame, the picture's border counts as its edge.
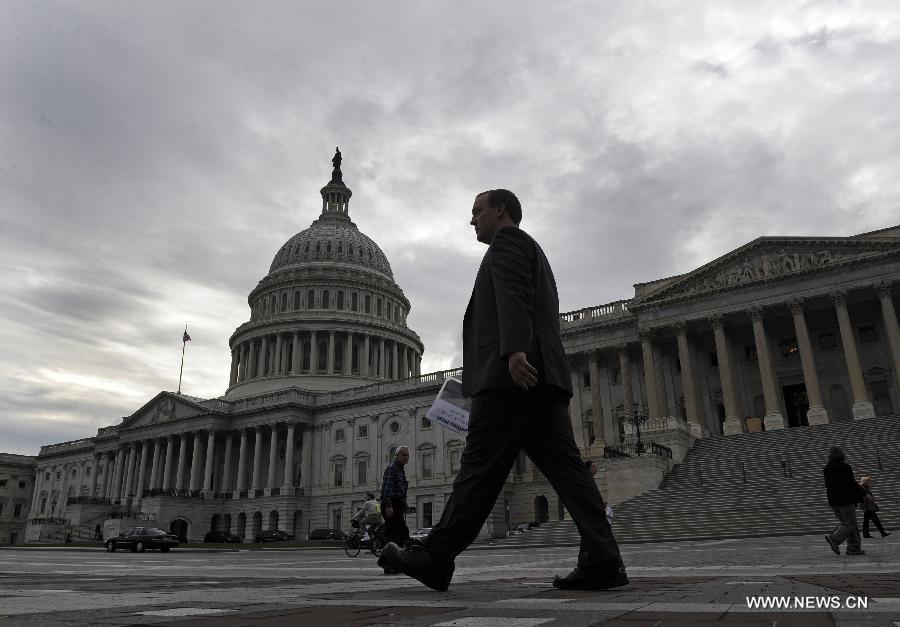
(180, 370)
(184, 341)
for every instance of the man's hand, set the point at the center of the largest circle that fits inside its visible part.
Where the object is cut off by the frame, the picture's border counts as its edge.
(523, 374)
(388, 511)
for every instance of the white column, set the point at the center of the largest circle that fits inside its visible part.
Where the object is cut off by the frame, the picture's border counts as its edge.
(141, 476)
(289, 461)
(654, 409)
(329, 362)
(733, 423)
(196, 452)
(182, 458)
(575, 410)
(364, 358)
(381, 360)
(688, 385)
(276, 365)
(816, 414)
(226, 466)
(273, 458)
(232, 378)
(117, 474)
(167, 467)
(774, 419)
(96, 471)
(132, 462)
(210, 459)
(891, 327)
(395, 361)
(257, 456)
(154, 470)
(862, 407)
(241, 482)
(596, 406)
(295, 355)
(306, 456)
(348, 355)
(261, 361)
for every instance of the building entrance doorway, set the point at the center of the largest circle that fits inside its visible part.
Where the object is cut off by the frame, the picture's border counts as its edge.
(796, 405)
(179, 527)
(541, 509)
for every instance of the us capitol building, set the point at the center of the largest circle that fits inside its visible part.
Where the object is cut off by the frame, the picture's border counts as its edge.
(325, 384)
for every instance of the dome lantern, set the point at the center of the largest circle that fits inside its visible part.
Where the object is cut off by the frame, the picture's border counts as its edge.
(336, 195)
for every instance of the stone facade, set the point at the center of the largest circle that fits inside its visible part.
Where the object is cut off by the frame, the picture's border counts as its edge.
(325, 384)
(16, 490)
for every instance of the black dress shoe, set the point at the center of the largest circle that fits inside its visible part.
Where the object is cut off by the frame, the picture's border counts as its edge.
(592, 579)
(416, 561)
(867, 535)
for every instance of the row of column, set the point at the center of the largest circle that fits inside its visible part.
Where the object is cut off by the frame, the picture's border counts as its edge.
(657, 401)
(286, 353)
(153, 464)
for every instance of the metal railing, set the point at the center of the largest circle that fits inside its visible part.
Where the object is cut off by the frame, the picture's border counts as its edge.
(636, 449)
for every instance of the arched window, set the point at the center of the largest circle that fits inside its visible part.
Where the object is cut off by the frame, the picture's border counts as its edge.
(340, 301)
(323, 356)
(326, 299)
(311, 299)
(354, 301)
(378, 307)
(297, 299)
(367, 304)
(328, 248)
(349, 250)
(284, 301)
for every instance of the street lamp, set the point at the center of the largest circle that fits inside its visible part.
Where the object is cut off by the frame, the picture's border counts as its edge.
(636, 418)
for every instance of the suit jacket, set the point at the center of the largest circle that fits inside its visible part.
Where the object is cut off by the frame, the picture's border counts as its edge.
(514, 307)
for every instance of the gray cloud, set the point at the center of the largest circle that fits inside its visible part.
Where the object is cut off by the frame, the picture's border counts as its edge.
(154, 157)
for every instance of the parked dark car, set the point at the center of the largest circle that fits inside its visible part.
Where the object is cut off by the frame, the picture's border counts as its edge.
(274, 536)
(327, 534)
(221, 537)
(139, 539)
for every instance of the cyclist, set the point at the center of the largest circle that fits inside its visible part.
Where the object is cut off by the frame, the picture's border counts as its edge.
(369, 515)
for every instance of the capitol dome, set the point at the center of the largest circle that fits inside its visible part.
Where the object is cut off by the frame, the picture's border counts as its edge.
(329, 241)
(328, 315)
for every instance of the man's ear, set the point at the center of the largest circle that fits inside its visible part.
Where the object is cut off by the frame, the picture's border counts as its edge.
(501, 211)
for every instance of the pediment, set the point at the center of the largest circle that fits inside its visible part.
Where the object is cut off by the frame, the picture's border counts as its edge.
(769, 259)
(164, 407)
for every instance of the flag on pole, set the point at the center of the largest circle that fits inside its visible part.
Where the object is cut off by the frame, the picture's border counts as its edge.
(186, 337)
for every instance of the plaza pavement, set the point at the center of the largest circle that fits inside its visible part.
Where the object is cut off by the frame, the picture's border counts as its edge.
(686, 583)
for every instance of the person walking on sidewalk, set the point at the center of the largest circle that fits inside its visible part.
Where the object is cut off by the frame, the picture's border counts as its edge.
(516, 372)
(393, 503)
(843, 495)
(870, 509)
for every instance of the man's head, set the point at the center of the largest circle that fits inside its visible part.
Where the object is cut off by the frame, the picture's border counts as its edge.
(402, 455)
(836, 454)
(492, 211)
(369, 496)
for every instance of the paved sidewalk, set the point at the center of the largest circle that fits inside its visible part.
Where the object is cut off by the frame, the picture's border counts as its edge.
(694, 583)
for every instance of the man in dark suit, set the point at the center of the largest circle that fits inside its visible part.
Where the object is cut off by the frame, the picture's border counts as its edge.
(516, 372)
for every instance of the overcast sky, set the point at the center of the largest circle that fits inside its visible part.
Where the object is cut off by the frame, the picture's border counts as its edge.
(154, 156)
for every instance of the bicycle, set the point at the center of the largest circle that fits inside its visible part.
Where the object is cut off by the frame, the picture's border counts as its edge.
(355, 543)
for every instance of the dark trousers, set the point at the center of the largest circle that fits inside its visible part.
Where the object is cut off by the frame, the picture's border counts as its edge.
(848, 529)
(502, 423)
(395, 527)
(873, 516)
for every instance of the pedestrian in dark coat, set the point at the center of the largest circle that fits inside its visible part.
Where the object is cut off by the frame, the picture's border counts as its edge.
(870, 509)
(843, 495)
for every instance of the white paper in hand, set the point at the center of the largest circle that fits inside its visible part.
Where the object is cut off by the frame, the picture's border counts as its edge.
(451, 408)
